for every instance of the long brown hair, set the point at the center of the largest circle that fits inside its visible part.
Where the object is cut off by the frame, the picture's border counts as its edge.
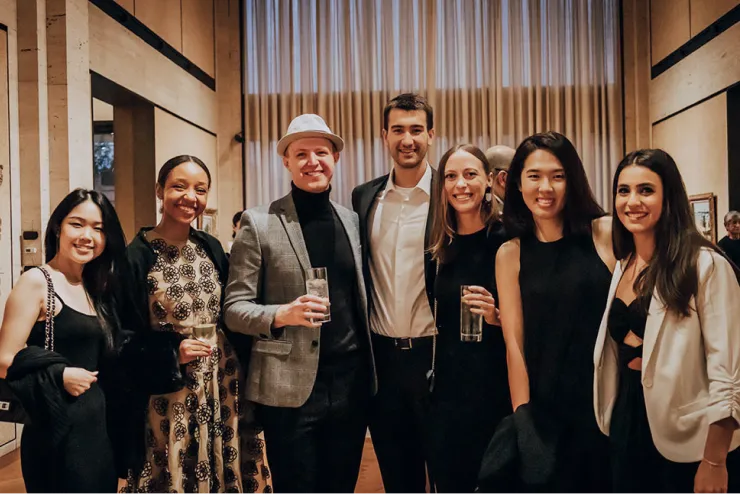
(673, 268)
(445, 219)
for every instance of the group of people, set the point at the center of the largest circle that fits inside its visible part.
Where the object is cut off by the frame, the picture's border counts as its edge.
(607, 356)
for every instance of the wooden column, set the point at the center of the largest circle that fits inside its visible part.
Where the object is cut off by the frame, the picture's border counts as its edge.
(33, 124)
(133, 137)
(636, 76)
(70, 99)
(229, 124)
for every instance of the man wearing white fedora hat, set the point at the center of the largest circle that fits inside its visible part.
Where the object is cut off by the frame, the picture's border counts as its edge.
(312, 381)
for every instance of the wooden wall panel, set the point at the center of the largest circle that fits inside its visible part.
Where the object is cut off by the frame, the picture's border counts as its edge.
(697, 140)
(126, 4)
(163, 17)
(669, 26)
(705, 12)
(198, 34)
(119, 55)
(712, 68)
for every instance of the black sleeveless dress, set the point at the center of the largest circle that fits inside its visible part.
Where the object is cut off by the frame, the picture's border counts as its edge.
(84, 462)
(637, 466)
(564, 288)
(471, 393)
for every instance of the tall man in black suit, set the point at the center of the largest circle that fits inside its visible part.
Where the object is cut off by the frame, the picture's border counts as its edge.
(395, 224)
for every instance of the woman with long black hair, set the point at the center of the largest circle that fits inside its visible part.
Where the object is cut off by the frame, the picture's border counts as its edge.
(667, 380)
(553, 280)
(60, 377)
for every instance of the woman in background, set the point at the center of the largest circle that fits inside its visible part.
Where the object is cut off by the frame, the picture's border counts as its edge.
(199, 437)
(471, 394)
(553, 281)
(667, 382)
(60, 378)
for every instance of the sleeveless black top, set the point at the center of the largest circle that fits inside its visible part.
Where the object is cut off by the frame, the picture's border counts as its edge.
(624, 318)
(564, 287)
(84, 461)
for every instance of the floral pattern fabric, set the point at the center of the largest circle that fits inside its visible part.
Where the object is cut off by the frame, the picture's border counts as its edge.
(201, 438)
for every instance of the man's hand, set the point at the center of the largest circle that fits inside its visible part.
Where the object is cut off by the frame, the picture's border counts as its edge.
(306, 310)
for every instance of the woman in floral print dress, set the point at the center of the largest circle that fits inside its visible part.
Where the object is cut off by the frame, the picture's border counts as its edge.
(200, 438)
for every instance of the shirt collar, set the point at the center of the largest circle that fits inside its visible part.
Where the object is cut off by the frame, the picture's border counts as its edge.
(424, 185)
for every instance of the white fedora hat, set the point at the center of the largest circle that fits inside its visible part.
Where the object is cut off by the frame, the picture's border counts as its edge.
(308, 125)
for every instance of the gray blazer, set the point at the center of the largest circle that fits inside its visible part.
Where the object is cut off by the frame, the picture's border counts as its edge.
(267, 269)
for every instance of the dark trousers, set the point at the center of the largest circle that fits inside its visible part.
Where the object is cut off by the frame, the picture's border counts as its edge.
(318, 447)
(400, 411)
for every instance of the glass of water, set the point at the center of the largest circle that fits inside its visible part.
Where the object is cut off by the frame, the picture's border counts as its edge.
(471, 325)
(317, 284)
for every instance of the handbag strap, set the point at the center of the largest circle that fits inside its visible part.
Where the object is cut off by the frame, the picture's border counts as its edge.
(434, 336)
(50, 309)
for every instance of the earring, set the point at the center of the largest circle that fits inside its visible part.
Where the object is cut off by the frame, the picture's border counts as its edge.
(488, 194)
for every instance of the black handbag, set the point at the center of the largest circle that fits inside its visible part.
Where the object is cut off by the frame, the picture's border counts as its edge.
(11, 408)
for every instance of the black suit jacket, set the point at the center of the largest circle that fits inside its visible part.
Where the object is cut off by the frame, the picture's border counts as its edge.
(363, 199)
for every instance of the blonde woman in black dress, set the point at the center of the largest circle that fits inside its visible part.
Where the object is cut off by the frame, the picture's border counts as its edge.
(471, 394)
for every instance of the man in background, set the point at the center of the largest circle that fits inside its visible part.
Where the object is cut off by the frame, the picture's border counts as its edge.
(499, 157)
(730, 244)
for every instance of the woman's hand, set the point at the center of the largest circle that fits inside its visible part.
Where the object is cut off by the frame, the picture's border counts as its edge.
(192, 349)
(78, 380)
(711, 477)
(482, 302)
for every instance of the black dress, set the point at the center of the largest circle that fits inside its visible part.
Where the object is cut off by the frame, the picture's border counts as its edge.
(84, 461)
(471, 393)
(637, 466)
(564, 287)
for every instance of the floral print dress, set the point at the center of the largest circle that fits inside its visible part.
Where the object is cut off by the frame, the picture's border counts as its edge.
(198, 439)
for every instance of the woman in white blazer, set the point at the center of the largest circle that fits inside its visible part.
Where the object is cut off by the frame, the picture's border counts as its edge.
(667, 358)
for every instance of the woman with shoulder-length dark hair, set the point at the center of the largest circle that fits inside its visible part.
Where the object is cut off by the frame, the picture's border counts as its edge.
(470, 394)
(667, 380)
(61, 375)
(553, 280)
(198, 434)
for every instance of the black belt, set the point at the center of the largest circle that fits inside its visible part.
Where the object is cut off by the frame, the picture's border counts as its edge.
(402, 343)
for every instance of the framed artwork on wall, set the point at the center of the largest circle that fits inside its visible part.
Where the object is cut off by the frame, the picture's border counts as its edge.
(704, 208)
(207, 221)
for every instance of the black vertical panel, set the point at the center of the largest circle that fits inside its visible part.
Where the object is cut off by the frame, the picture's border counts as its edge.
(733, 148)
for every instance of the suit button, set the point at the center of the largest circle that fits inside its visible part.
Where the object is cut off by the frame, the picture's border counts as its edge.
(315, 343)
(648, 383)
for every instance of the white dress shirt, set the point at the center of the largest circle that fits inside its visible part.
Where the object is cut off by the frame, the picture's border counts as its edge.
(400, 304)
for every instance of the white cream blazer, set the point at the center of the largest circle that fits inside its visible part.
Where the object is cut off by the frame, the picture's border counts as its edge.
(690, 366)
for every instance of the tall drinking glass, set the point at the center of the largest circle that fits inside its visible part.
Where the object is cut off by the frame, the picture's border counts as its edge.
(471, 325)
(317, 284)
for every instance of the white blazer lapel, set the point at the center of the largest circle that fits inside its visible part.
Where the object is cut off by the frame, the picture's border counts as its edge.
(603, 329)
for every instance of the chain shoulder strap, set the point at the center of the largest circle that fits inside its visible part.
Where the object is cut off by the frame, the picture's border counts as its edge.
(434, 336)
(50, 309)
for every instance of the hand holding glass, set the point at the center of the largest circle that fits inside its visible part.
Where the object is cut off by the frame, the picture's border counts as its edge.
(471, 324)
(317, 284)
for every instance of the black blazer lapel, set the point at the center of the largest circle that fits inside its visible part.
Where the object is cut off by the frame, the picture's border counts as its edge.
(429, 265)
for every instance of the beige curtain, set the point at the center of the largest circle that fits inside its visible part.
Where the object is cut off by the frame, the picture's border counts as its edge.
(495, 71)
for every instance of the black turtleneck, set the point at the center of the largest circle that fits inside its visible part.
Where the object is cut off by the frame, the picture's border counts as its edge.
(328, 246)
